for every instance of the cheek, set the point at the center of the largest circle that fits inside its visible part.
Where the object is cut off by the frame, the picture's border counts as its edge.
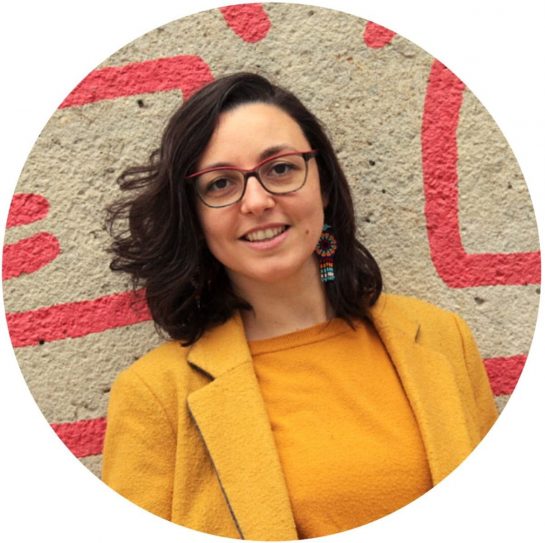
(215, 246)
(313, 228)
(216, 228)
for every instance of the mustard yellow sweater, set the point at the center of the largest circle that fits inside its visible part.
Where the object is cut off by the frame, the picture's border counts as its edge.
(347, 439)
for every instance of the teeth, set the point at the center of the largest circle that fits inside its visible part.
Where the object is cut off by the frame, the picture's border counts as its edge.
(268, 233)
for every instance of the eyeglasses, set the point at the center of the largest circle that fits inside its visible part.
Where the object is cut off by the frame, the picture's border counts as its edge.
(280, 174)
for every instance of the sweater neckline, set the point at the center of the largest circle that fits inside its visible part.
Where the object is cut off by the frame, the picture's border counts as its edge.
(313, 334)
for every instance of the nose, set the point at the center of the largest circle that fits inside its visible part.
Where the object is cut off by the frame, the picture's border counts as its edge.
(256, 199)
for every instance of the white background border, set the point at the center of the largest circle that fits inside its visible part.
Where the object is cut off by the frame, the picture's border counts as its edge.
(495, 47)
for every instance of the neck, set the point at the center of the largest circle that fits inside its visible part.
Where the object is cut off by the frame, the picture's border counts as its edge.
(284, 307)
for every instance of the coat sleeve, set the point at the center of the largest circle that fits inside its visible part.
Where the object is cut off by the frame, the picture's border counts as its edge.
(486, 408)
(139, 446)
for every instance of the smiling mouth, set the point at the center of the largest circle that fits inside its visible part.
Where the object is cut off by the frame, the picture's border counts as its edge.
(265, 234)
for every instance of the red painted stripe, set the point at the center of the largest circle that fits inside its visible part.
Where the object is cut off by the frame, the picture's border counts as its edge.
(29, 255)
(248, 21)
(83, 437)
(376, 36)
(26, 209)
(185, 72)
(76, 319)
(439, 160)
(504, 372)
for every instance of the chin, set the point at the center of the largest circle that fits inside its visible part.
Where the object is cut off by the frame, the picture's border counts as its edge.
(272, 274)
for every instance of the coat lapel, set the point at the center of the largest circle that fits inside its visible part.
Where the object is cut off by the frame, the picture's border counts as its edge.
(431, 387)
(233, 422)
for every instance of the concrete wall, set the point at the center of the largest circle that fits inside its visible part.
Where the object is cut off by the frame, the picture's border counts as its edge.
(440, 199)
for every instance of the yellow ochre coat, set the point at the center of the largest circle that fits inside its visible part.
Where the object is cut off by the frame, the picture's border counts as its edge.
(188, 436)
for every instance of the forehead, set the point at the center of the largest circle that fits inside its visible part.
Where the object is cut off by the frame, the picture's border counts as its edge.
(244, 132)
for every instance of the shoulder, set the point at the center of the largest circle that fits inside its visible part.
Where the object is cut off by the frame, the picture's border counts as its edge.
(446, 333)
(163, 371)
(431, 325)
(168, 358)
(412, 308)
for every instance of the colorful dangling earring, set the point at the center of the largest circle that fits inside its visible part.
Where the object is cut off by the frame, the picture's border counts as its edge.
(325, 249)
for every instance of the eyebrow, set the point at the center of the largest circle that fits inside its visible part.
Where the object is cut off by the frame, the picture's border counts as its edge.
(269, 152)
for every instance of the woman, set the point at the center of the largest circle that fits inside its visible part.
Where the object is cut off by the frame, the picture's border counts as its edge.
(294, 399)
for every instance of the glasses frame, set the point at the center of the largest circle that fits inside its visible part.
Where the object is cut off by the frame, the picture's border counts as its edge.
(254, 172)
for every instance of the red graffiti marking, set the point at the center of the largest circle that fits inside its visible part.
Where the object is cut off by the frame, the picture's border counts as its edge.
(185, 72)
(249, 21)
(26, 209)
(377, 36)
(76, 319)
(29, 254)
(83, 437)
(439, 156)
(504, 372)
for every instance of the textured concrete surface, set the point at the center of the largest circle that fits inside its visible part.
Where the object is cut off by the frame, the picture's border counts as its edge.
(68, 317)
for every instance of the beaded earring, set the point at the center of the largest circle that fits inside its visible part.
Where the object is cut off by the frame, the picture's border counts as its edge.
(325, 249)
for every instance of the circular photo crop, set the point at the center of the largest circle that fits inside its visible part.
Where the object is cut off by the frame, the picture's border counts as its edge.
(260, 268)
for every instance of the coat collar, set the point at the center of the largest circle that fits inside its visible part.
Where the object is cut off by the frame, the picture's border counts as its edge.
(430, 384)
(233, 422)
(232, 419)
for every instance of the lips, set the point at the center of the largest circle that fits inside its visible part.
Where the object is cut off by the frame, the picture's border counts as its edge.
(264, 234)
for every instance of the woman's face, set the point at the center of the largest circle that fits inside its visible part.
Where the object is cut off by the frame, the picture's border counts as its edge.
(293, 221)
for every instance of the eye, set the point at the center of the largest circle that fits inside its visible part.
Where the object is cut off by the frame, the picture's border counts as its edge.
(280, 169)
(221, 184)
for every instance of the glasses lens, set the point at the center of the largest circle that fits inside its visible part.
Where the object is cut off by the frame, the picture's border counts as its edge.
(220, 187)
(279, 175)
(284, 174)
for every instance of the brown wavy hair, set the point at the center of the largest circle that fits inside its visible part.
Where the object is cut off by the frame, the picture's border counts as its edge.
(157, 236)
